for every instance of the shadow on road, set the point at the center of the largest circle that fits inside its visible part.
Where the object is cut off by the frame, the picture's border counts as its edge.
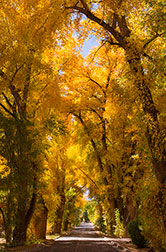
(81, 239)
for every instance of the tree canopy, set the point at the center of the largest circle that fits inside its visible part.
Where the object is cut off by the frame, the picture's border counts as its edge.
(71, 124)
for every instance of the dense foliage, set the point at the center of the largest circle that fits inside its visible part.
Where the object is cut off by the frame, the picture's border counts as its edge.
(136, 235)
(71, 124)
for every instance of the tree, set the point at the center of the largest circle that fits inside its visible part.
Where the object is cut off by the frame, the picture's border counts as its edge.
(114, 19)
(122, 113)
(24, 75)
(124, 25)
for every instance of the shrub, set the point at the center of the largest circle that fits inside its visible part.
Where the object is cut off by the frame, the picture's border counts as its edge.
(135, 233)
(119, 228)
(101, 224)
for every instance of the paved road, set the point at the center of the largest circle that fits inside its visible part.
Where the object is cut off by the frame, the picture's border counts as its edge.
(81, 239)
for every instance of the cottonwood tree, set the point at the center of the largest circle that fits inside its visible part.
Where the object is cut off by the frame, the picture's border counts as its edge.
(112, 22)
(26, 32)
(120, 109)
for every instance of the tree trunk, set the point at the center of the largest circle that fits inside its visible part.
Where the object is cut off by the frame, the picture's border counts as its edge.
(40, 223)
(19, 234)
(156, 140)
(7, 227)
(58, 222)
(59, 215)
(22, 220)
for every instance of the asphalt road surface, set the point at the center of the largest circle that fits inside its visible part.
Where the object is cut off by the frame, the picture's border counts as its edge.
(83, 238)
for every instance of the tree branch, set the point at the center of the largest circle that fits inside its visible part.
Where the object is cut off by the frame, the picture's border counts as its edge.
(7, 100)
(17, 69)
(93, 110)
(97, 51)
(16, 95)
(107, 84)
(26, 90)
(99, 21)
(88, 177)
(113, 43)
(90, 79)
(92, 141)
(147, 56)
(77, 192)
(150, 40)
(3, 75)
(84, 5)
(114, 22)
(125, 31)
(8, 111)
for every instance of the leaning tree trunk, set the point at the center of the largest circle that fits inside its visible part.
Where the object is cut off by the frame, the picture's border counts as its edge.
(23, 218)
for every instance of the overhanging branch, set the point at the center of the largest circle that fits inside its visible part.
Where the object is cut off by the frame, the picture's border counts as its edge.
(8, 111)
(88, 177)
(7, 100)
(152, 39)
(99, 21)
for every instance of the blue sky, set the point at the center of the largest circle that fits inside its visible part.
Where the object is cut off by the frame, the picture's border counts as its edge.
(88, 44)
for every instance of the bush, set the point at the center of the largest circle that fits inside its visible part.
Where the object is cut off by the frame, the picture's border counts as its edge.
(135, 233)
(119, 228)
(101, 224)
(162, 250)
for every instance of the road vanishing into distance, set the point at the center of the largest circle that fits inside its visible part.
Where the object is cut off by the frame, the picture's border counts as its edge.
(83, 238)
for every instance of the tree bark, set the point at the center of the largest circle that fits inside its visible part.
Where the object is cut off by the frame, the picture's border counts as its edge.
(59, 214)
(40, 221)
(22, 221)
